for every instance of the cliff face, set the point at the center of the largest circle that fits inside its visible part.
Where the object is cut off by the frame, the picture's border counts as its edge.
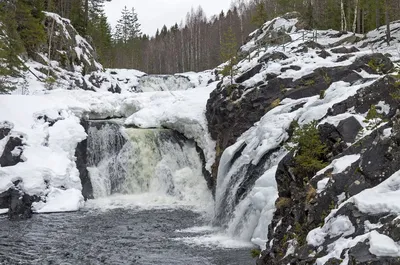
(339, 214)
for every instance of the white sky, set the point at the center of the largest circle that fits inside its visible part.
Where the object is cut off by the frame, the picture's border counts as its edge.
(154, 14)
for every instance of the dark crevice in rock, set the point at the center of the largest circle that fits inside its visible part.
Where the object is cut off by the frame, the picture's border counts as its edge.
(82, 164)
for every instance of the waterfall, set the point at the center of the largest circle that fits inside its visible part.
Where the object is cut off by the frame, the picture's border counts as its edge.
(149, 83)
(145, 161)
(246, 193)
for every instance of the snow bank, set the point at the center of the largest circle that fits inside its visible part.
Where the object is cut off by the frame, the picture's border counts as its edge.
(49, 152)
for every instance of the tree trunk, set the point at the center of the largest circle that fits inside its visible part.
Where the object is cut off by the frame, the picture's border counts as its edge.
(355, 16)
(378, 14)
(86, 14)
(343, 22)
(387, 22)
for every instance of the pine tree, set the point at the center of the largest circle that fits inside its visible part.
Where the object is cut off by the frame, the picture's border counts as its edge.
(100, 32)
(128, 27)
(229, 53)
(11, 47)
(260, 17)
(28, 16)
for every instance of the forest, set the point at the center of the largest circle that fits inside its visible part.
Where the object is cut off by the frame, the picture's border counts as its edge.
(193, 44)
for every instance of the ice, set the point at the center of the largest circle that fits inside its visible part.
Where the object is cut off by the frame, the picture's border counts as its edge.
(58, 200)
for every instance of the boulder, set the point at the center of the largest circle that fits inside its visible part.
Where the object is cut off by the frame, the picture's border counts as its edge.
(345, 50)
(12, 153)
(349, 129)
(249, 74)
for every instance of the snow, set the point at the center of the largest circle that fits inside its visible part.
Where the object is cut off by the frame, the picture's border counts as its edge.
(3, 211)
(341, 164)
(322, 184)
(48, 151)
(58, 200)
(382, 198)
(383, 108)
(382, 245)
(387, 132)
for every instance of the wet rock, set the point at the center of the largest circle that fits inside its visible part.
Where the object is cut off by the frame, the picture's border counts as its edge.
(12, 153)
(19, 205)
(82, 164)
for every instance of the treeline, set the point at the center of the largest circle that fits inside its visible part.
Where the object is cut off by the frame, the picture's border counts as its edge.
(195, 44)
(192, 45)
(23, 22)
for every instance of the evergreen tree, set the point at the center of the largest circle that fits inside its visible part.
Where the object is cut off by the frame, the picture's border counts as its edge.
(28, 16)
(100, 32)
(11, 48)
(128, 27)
(229, 53)
(260, 17)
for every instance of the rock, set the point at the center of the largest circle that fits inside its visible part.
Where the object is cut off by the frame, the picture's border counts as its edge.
(67, 47)
(331, 137)
(272, 57)
(345, 50)
(381, 90)
(323, 54)
(5, 129)
(344, 58)
(19, 205)
(82, 164)
(375, 63)
(292, 67)
(349, 39)
(349, 129)
(275, 37)
(12, 153)
(249, 74)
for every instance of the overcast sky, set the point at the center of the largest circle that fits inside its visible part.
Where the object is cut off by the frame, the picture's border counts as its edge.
(154, 14)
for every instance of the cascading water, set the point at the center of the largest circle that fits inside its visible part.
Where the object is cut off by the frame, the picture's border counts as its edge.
(246, 194)
(149, 83)
(149, 162)
(105, 141)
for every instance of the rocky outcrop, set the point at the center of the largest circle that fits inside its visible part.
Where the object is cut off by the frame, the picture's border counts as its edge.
(305, 209)
(67, 46)
(229, 113)
(19, 204)
(12, 153)
(81, 154)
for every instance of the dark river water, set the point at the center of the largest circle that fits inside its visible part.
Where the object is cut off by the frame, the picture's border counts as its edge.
(118, 236)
